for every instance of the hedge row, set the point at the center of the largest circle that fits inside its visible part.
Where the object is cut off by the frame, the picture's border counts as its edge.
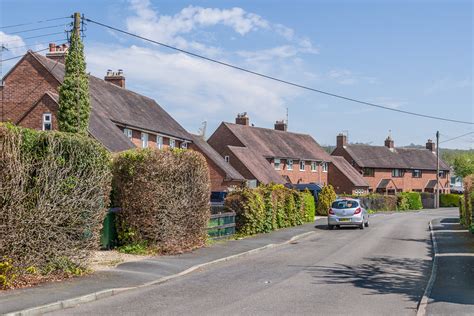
(164, 199)
(269, 207)
(54, 190)
(449, 200)
(409, 201)
(466, 203)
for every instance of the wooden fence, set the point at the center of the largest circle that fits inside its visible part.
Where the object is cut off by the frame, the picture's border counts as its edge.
(222, 223)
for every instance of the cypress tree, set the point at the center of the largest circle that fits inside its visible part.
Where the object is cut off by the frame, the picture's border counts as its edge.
(74, 99)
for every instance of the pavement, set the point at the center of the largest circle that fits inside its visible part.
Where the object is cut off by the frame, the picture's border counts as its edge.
(453, 288)
(381, 270)
(139, 273)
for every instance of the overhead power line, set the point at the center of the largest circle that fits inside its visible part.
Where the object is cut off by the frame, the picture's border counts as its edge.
(19, 56)
(463, 135)
(36, 29)
(26, 38)
(42, 43)
(277, 79)
(36, 22)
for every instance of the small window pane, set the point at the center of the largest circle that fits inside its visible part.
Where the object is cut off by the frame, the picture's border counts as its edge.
(276, 162)
(302, 165)
(290, 164)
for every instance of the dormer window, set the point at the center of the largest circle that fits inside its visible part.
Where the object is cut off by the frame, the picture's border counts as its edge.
(128, 132)
(47, 122)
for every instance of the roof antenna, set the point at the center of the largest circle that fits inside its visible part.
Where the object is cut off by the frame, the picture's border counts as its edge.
(287, 117)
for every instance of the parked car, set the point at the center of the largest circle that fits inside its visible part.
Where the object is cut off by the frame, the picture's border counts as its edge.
(347, 212)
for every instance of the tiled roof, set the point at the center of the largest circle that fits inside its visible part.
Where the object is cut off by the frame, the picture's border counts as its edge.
(113, 105)
(273, 143)
(257, 165)
(230, 172)
(382, 157)
(350, 172)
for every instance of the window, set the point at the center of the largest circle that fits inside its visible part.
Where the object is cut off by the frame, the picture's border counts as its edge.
(359, 191)
(144, 140)
(47, 122)
(302, 165)
(325, 167)
(172, 143)
(159, 142)
(314, 166)
(416, 173)
(184, 145)
(127, 132)
(226, 158)
(276, 163)
(290, 164)
(369, 172)
(442, 174)
(398, 173)
(344, 204)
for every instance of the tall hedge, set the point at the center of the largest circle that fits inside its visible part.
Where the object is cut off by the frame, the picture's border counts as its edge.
(449, 200)
(325, 199)
(268, 207)
(164, 198)
(409, 201)
(309, 205)
(54, 190)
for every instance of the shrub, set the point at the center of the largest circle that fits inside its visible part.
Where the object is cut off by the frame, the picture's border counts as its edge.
(266, 208)
(449, 200)
(403, 203)
(409, 201)
(54, 190)
(379, 202)
(164, 199)
(309, 206)
(325, 199)
(466, 205)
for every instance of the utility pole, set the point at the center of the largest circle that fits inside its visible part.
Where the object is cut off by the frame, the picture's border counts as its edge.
(77, 23)
(77, 32)
(437, 170)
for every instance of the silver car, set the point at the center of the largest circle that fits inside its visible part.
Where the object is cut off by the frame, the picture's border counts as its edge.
(347, 211)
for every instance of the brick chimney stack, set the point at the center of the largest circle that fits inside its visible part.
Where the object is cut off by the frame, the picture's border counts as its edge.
(389, 143)
(431, 146)
(242, 119)
(281, 126)
(115, 77)
(57, 52)
(341, 140)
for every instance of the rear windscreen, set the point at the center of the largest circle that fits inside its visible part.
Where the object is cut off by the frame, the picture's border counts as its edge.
(344, 204)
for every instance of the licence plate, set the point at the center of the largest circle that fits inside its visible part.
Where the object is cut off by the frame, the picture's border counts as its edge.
(344, 219)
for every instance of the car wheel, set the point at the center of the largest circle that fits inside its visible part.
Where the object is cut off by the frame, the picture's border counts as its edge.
(330, 227)
(361, 226)
(367, 223)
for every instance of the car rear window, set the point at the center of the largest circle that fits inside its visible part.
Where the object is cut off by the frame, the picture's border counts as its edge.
(344, 204)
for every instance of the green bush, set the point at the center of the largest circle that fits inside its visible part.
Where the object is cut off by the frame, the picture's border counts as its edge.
(54, 190)
(403, 203)
(309, 206)
(164, 199)
(379, 202)
(325, 199)
(409, 201)
(267, 208)
(449, 200)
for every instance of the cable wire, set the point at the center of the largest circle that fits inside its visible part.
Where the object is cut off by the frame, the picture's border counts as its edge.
(36, 22)
(36, 29)
(277, 79)
(19, 56)
(448, 140)
(25, 38)
(42, 43)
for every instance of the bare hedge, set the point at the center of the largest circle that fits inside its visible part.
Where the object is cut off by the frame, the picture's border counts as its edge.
(54, 190)
(164, 198)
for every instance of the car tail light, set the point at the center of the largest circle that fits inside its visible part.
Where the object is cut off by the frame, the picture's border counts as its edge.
(331, 211)
(358, 210)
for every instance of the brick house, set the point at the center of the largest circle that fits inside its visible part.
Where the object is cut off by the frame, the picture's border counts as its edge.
(120, 119)
(263, 155)
(345, 179)
(390, 169)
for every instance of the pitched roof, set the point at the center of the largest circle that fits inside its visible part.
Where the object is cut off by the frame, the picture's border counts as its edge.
(384, 183)
(230, 172)
(257, 165)
(382, 157)
(431, 184)
(273, 143)
(117, 105)
(345, 167)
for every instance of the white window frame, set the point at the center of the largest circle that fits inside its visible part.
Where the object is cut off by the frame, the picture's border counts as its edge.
(127, 132)
(226, 159)
(159, 142)
(184, 145)
(314, 166)
(397, 173)
(49, 121)
(277, 163)
(419, 173)
(172, 143)
(325, 166)
(304, 165)
(289, 164)
(144, 138)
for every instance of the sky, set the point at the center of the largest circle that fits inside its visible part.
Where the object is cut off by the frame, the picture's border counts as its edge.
(410, 55)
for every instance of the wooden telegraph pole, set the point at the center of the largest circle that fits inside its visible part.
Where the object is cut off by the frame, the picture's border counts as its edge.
(437, 170)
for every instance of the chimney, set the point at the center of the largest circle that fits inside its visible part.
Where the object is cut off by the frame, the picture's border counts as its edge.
(389, 143)
(341, 140)
(430, 145)
(115, 77)
(242, 119)
(281, 125)
(57, 52)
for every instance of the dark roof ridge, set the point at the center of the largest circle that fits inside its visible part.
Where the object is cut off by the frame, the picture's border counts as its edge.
(270, 129)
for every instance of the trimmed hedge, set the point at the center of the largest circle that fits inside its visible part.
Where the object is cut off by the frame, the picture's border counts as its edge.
(269, 207)
(409, 201)
(379, 202)
(164, 199)
(325, 199)
(54, 190)
(466, 204)
(449, 200)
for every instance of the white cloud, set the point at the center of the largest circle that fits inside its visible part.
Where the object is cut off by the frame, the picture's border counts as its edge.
(13, 43)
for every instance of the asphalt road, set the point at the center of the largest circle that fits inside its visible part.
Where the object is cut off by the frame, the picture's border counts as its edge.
(381, 270)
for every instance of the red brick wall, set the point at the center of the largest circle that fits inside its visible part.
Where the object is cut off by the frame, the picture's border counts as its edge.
(306, 176)
(34, 119)
(25, 85)
(341, 184)
(222, 138)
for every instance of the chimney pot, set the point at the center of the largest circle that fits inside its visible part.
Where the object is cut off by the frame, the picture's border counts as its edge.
(242, 119)
(281, 125)
(341, 140)
(116, 78)
(389, 143)
(57, 52)
(430, 145)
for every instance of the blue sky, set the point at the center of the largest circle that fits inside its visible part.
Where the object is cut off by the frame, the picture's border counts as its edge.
(410, 55)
